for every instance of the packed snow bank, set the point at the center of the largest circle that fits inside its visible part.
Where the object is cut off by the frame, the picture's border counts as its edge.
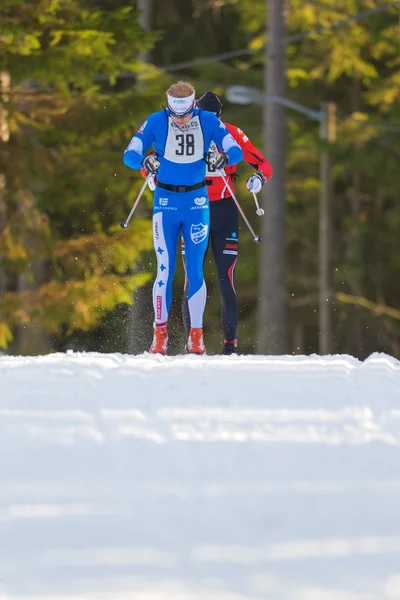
(199, 478)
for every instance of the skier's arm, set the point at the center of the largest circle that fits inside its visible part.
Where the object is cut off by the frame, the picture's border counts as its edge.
(225, 141)
(138, 146)
(251, 155)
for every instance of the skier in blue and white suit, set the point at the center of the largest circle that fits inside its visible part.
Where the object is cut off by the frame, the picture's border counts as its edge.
(181, 136)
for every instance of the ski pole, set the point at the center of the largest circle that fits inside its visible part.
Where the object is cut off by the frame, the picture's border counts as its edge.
(256, 238)
(124, 224)
(259, 211)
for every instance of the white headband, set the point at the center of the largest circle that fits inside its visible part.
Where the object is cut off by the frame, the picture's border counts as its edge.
(180, 106)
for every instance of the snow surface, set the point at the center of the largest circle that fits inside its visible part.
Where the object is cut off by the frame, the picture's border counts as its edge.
(199, 478)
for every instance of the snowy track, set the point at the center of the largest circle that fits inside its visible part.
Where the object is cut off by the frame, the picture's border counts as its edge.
(189, 478)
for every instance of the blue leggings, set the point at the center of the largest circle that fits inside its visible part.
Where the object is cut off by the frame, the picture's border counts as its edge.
(176, 214)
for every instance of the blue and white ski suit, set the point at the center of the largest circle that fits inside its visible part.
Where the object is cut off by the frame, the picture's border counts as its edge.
(178, 208)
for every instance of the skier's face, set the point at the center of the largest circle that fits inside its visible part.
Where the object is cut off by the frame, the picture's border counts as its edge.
(181, 121)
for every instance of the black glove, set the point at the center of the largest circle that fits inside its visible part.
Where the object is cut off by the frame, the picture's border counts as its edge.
(218, 161)
(151, 164)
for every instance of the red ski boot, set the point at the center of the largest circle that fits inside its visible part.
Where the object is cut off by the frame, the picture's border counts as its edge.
(160, 340)
(195, 341)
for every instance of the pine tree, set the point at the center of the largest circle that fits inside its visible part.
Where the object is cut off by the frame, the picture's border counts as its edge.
(65, 186)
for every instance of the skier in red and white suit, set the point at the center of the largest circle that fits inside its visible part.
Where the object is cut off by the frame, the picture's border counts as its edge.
(224, 221)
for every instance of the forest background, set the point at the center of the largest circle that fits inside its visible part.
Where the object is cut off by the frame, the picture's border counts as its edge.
(78, 77)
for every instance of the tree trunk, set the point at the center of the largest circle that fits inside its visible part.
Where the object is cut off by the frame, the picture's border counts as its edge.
(140, 307)
(145, 21)
(4, 137)
(328, 113)
(3, 222)
(355, 278)
(30, 339)
(272, 335)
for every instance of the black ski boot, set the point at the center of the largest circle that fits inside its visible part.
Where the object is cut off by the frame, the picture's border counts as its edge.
(230, 347)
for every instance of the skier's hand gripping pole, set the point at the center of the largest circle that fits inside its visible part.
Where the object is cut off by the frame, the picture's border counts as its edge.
(124, 224)
(256, 238)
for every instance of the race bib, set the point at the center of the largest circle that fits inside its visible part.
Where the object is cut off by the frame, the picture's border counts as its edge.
(184, 144)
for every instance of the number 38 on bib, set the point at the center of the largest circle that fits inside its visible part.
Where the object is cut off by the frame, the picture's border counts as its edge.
(184, 144)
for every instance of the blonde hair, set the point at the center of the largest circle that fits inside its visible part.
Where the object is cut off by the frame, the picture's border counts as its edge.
(180, 89)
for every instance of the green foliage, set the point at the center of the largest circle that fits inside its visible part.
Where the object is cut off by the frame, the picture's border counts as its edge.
(355, 65)
(70, 117)
(64, 43)
(65, 188)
